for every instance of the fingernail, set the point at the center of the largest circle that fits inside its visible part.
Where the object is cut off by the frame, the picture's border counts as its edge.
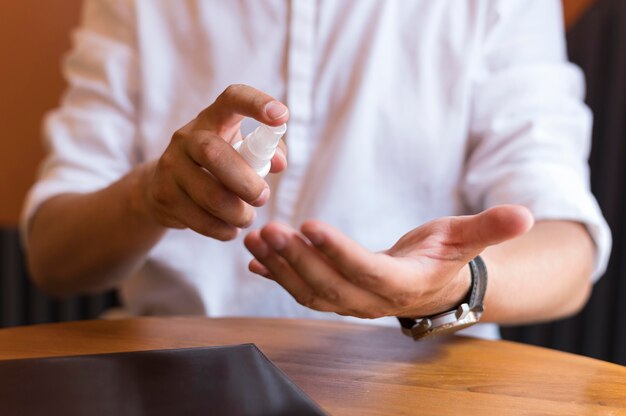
(258, 268)
(259, 250)
(262, 199)
(275, 110)
(315, 238)
(276, 241)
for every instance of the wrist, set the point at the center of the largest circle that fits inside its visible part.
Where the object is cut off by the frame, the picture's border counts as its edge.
(462, 287)
(138, 188)
(467, 311)
(456, 292)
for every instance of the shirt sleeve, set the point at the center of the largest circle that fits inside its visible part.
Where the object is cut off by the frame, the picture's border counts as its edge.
(530, 130)
(90, 137)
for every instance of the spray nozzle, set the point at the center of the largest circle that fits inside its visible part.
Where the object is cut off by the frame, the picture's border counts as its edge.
(259, 147)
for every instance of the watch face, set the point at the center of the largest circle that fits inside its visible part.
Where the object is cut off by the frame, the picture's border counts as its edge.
(450, 327)
(446, 330)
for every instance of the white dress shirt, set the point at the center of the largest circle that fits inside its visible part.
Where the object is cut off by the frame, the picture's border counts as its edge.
(401, 112)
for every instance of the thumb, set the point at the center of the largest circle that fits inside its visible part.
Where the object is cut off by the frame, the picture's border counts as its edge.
(239, 101)
(495, 225)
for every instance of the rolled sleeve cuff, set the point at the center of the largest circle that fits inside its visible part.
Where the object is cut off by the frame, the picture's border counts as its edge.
(557, 197)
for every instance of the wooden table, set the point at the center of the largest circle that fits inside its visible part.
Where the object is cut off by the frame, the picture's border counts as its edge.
(362, 369)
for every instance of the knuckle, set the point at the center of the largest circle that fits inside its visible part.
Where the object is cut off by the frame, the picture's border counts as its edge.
(298, 258)
(252, 189)
(167, 162)
(247, 216)
(330, 294)
(162, 195)
(230, 91)
(223, 233)
(173, 223)
(219, 204)
(404, 300)
(214, 228)
(308, 300)
(229, 208)
(164, 216)
(211, 153)
(240, 215)
(358, 313)
(178, 136)
(379, 312)
(368, 315)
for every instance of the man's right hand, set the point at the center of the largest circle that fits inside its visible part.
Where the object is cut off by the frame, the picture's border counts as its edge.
(201, 182)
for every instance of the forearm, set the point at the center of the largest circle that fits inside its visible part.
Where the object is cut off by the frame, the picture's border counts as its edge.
(542, 275)
(90, 242)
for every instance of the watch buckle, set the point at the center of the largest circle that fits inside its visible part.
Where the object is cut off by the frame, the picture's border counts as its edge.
(462, 311)
(422, 326)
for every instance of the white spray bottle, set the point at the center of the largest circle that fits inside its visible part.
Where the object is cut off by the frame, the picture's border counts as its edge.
(259, 147)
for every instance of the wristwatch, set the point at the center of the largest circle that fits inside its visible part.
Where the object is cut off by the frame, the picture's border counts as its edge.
(466, 314)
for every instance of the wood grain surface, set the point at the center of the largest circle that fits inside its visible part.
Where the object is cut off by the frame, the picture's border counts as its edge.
(362, 369)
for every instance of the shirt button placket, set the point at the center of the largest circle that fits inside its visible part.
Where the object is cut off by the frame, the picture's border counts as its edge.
(300, 78)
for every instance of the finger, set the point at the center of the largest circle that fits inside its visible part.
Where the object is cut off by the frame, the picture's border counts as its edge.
(473, 233)
(320, 275)
(281, 273)
(402, 283)
(279, 161)
(256, 267)
(371, 271)
(241, 100)
(186, 212)
(202, 187)
(222, 160)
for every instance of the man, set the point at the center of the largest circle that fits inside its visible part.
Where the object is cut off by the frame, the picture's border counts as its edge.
(399, 114)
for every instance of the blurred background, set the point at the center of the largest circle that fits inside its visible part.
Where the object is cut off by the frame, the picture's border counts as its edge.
(34, 36)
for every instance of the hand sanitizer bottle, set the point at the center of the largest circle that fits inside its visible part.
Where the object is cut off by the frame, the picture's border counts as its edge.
(259, 147)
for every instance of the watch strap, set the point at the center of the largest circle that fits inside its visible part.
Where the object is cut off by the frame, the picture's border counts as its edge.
(478, 271)
(475, 298)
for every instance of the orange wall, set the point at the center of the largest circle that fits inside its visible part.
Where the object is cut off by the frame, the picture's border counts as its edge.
(573, 9)
(33, 36)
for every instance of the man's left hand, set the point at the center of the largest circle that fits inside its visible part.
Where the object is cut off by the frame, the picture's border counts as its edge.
(422, 274)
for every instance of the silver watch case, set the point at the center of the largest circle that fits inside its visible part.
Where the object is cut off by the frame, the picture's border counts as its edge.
(445, 323)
